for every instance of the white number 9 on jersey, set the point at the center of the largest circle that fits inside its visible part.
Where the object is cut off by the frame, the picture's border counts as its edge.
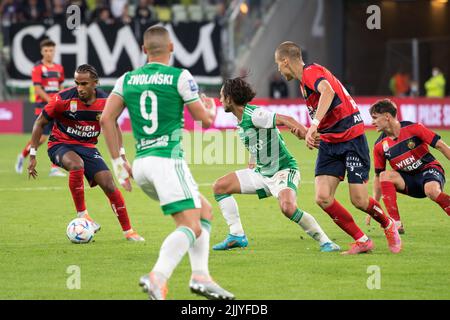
(153, 114)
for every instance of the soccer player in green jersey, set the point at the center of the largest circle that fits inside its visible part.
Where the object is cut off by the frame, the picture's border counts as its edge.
(276, 172)
(155, 95)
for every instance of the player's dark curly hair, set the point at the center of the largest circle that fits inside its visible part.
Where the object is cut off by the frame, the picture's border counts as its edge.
(238, 90)
(84, 68)
(384, 106)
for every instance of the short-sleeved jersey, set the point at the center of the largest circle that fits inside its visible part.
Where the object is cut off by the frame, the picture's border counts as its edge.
(49, 78)
(263, 140)
(342, 122)
(75, 122)
(409, 151)
(155, 95)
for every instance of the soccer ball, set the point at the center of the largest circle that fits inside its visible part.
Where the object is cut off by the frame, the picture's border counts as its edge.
(80, 230)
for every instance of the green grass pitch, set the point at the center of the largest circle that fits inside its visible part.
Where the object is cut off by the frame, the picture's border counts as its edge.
(281, 262)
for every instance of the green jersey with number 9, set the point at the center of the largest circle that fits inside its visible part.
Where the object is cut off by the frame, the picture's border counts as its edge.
(155, 95)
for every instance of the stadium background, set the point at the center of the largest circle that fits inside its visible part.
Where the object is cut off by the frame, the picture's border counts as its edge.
(221, 39)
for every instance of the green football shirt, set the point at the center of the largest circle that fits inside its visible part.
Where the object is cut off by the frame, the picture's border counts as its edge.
(155, 95)
(257, 130)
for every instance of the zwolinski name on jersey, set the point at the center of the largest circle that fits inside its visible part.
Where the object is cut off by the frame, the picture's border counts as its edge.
(157, 78)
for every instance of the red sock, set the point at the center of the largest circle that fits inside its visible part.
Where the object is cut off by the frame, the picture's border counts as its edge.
(76, 186)
(443, 200)
(375, 211)
(344, 220)
(26, 150)
(118, 206)
(390, 199)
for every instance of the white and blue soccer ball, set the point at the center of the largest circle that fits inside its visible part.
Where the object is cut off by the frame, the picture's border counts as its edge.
(80, 230)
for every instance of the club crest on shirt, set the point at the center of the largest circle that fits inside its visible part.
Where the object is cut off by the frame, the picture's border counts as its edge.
(73, 106)
(411, 144)
(385, 146)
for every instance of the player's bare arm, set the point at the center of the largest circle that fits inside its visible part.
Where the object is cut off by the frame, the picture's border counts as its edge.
(122, 149)
(38, 128)
(326, 97)
(108, 121)
(203, 110)
(444, 148)
(296, 128)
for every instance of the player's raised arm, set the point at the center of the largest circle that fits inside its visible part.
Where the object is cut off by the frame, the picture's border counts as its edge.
(108, 121)
(444, 148)
(38, 129)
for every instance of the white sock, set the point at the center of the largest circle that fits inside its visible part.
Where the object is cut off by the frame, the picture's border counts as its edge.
(199, 252)
(311, 227)
(230, 212)
(173, 250)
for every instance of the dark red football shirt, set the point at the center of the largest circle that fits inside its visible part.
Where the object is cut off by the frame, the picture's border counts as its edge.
(75, 122)
(409, 152)
(342, 122)
(49, 78)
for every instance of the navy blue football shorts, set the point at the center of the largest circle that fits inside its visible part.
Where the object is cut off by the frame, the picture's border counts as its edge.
(49, 126)
(334, 159)
(415, 182)
(93, 161)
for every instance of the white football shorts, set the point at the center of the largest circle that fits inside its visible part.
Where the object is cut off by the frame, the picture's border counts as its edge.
(168, 180)
(253, 182)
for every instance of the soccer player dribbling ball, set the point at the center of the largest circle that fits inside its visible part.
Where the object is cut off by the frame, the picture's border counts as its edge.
(415, 172)
(276, 171)
(343, 147)
(155, 95)
(76, 112)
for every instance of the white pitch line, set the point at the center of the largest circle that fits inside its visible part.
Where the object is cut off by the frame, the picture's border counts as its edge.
(204, 184)
(33, 189)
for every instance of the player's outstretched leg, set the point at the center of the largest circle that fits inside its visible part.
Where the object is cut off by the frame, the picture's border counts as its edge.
(345, 221)
(312, 228)
(390, 182)
(389, 193)
(173, 249)
(443, 200)
(388, 224)
(106, 182)
(433, 191)
(325, 189)
(76, 186)
(236, 238)
(201, 282)
(361, 200)
(287, 200)
(223, 189)
(118, 205)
